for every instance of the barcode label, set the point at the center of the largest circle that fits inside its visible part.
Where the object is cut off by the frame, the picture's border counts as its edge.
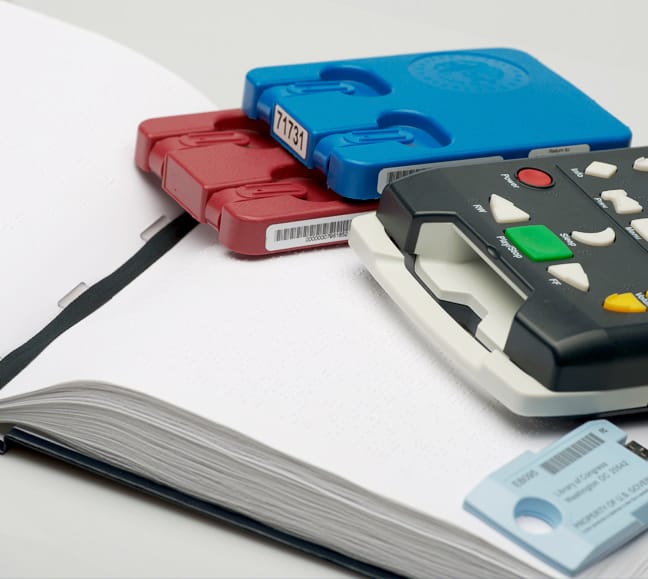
(572, 453)
(318, 231)
(391, 174)
(394, 175)
(290, 132)
(387, 176)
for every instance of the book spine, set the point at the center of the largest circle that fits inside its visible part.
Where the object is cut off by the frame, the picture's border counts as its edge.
(19, 437)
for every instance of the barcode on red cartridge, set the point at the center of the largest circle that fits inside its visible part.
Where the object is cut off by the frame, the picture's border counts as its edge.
(572, 453)
(309, 232)
(322, 231)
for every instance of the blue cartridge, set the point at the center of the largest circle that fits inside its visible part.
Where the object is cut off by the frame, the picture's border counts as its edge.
(368, 122)
(589, 488)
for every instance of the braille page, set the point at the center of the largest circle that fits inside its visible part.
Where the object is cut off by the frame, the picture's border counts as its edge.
(73, 202)
(305, 353)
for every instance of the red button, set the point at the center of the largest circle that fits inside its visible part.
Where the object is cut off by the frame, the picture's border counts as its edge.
(534, 178)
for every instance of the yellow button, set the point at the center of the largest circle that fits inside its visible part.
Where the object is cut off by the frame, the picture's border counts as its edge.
(626, 303)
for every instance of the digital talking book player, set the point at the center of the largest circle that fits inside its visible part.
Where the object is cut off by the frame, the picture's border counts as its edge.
(533, 273)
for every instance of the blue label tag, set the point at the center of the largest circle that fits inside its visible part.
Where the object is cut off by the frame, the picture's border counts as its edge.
(589, 489)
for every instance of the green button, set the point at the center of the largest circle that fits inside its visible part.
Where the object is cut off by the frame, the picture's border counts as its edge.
(538, 242)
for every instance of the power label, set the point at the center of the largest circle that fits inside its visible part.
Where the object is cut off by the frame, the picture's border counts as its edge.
(589, 489)
(290, 132)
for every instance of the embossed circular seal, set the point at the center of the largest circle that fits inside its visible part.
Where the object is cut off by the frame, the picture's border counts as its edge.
(468, 73)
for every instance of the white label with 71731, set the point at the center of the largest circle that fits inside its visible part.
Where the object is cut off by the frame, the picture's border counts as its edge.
(289, 131)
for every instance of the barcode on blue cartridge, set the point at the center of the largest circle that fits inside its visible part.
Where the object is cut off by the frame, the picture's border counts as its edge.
(388, 175)
(572, 453)
(394, 175)
(309, 232)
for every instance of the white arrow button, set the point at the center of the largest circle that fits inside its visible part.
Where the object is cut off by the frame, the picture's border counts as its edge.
(570, 273)
(504, 211)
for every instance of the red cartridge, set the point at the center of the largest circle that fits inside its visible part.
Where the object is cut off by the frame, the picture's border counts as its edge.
(226, 170)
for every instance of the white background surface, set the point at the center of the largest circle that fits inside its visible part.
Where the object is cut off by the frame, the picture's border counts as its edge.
(112, 532)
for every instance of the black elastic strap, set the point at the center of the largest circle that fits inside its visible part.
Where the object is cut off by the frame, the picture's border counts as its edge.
(95, 296)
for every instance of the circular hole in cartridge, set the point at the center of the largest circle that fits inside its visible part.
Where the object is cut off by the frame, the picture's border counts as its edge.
(536, 516)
